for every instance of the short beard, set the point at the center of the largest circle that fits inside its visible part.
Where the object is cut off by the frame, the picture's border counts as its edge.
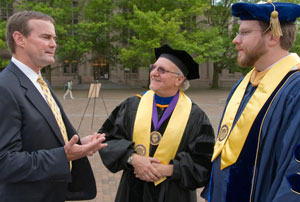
(251, 57)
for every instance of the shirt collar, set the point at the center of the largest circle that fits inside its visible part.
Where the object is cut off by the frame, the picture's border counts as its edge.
(294, 68)
(163, 100)
(32, 75)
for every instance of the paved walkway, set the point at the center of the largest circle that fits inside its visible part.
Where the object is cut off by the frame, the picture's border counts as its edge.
(211, 101)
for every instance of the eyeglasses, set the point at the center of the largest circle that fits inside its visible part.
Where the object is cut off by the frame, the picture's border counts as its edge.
(161, 70)
(245, 32)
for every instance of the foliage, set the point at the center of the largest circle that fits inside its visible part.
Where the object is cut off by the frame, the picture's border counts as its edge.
(2, 34)
(3, 61)
(97, 27)
(149, 30)
(218, 16)
(126, 32)
(70, 40)
(176, 23)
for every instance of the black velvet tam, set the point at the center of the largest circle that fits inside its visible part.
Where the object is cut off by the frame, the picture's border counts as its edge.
(181, 59)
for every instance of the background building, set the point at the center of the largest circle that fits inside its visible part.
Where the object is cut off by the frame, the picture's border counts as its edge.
(100, 66)
(100, 70)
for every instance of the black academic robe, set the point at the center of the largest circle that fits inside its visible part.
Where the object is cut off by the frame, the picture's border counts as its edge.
(191, 164)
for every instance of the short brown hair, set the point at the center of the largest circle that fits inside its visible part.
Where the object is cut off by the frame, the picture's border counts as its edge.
(289, 31)
(19, 22)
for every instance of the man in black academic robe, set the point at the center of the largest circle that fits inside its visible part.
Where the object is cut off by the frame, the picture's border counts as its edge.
(143, 168)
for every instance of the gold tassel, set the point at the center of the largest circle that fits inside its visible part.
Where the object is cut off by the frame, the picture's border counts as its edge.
(275, 24)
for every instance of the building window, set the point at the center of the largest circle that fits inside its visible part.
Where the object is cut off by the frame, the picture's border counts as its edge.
(133, 70)
(66, 68)
(74, 67)
(70, 67)
(74, 14)
(131, 73)
(101, 68)
(6, 9)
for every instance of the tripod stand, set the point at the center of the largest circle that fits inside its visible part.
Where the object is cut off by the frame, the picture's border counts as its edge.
(93, 94)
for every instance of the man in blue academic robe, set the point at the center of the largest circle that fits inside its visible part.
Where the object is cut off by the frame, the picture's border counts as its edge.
(257, 153)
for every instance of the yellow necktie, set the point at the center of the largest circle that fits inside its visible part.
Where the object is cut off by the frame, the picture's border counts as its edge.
(54, 108)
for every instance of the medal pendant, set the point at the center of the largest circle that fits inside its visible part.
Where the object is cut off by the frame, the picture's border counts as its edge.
(155, 137)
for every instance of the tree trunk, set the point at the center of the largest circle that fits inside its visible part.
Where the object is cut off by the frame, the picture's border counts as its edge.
(47, 73)
(215, 82)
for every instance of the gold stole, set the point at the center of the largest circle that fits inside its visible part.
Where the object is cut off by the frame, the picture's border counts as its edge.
(171, 139)
(229, 144)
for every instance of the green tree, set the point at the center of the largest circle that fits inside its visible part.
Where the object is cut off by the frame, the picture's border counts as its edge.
(71, 39)
(4, 56)
(150, 29)
(6, 9)
(126, 32)
(177, 23)
(97, 22)
(218, 16)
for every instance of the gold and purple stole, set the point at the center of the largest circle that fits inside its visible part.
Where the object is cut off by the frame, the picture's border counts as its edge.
(171, 139)
(231, 140)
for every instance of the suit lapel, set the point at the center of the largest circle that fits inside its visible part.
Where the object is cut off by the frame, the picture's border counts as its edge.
(34, 96)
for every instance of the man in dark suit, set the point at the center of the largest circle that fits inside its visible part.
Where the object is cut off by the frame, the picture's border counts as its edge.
(41, 158)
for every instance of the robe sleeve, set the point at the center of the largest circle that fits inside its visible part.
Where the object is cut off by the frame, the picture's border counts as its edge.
(118, 130)
(286, 183)
(192, 166)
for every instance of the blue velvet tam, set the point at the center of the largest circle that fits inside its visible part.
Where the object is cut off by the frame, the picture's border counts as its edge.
(287, 12)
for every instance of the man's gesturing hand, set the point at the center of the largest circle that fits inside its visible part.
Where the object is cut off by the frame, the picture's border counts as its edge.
(90, 145)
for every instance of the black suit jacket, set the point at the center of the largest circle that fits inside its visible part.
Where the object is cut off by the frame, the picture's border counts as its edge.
(33, 163)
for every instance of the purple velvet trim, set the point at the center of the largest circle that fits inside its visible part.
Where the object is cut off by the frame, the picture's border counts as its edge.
(166, 114)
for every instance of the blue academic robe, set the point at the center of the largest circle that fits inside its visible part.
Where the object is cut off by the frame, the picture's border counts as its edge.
(269, 164)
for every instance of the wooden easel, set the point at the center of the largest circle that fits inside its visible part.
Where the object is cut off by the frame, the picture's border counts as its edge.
(94, 92)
